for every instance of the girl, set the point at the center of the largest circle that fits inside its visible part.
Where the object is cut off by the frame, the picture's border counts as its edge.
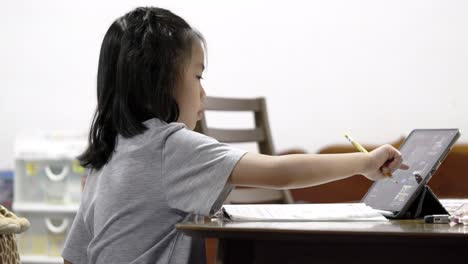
(149, 170)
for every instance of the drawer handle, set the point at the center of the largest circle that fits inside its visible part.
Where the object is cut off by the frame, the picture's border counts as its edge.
(56, 177)
(57, 229)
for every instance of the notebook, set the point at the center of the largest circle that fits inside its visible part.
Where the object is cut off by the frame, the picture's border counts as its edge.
(302, 212)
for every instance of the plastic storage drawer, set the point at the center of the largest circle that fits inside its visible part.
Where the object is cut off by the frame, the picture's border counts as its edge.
(48, 181)
(46, 235)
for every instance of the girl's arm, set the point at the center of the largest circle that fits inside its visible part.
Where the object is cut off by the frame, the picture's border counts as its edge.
(303, 170)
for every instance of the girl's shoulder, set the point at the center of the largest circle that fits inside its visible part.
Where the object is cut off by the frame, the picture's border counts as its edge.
(174, 131)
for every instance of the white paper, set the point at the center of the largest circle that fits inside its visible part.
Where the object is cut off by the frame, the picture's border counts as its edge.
(303, 212)
(451, 205)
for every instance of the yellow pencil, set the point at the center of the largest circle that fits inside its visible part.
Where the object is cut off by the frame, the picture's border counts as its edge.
(362, 149)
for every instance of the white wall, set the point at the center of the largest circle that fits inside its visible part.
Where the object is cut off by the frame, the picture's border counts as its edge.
(374, 68)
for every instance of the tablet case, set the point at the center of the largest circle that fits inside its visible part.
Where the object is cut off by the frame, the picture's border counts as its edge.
(426, 203)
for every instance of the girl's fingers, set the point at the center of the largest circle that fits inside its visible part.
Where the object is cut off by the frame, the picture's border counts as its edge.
(394, 161)
(397, 163)
(404, 167)
(378, 176)
(386, 171)
(393, 165)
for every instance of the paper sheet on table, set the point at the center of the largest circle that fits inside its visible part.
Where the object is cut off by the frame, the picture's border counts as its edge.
(302, 212)
(451, 205)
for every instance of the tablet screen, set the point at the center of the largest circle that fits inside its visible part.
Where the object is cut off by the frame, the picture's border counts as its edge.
(422, 151)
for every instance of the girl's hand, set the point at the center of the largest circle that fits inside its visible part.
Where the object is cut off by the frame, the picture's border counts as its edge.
(383, 161)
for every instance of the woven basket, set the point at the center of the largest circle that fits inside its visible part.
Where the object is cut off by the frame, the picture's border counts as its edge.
(10, 225)
(8, 249)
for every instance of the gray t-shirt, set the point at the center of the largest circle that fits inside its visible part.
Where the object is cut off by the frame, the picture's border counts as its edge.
(153, 181)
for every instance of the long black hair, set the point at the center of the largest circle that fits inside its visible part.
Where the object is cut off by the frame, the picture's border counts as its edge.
(142, 57)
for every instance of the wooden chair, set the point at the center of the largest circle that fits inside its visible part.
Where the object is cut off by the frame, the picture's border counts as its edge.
(260, 134)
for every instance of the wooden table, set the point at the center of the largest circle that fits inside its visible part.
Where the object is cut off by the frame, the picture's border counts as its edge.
(396, 241)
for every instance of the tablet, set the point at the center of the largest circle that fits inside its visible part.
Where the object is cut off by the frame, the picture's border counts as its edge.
(423, 150)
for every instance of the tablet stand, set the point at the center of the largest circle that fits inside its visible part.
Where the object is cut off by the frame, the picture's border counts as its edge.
(425, 204)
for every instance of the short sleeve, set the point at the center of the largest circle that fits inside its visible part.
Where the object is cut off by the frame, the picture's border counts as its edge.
(195, 171)
(78, 239)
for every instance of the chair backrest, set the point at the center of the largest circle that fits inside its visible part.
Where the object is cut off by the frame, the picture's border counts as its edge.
(259, 134)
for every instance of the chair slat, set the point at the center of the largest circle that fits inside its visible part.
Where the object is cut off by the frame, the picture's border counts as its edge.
(232, 104)
(236, 135)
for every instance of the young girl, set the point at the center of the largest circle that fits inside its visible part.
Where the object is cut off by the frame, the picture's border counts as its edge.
(149, 170)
